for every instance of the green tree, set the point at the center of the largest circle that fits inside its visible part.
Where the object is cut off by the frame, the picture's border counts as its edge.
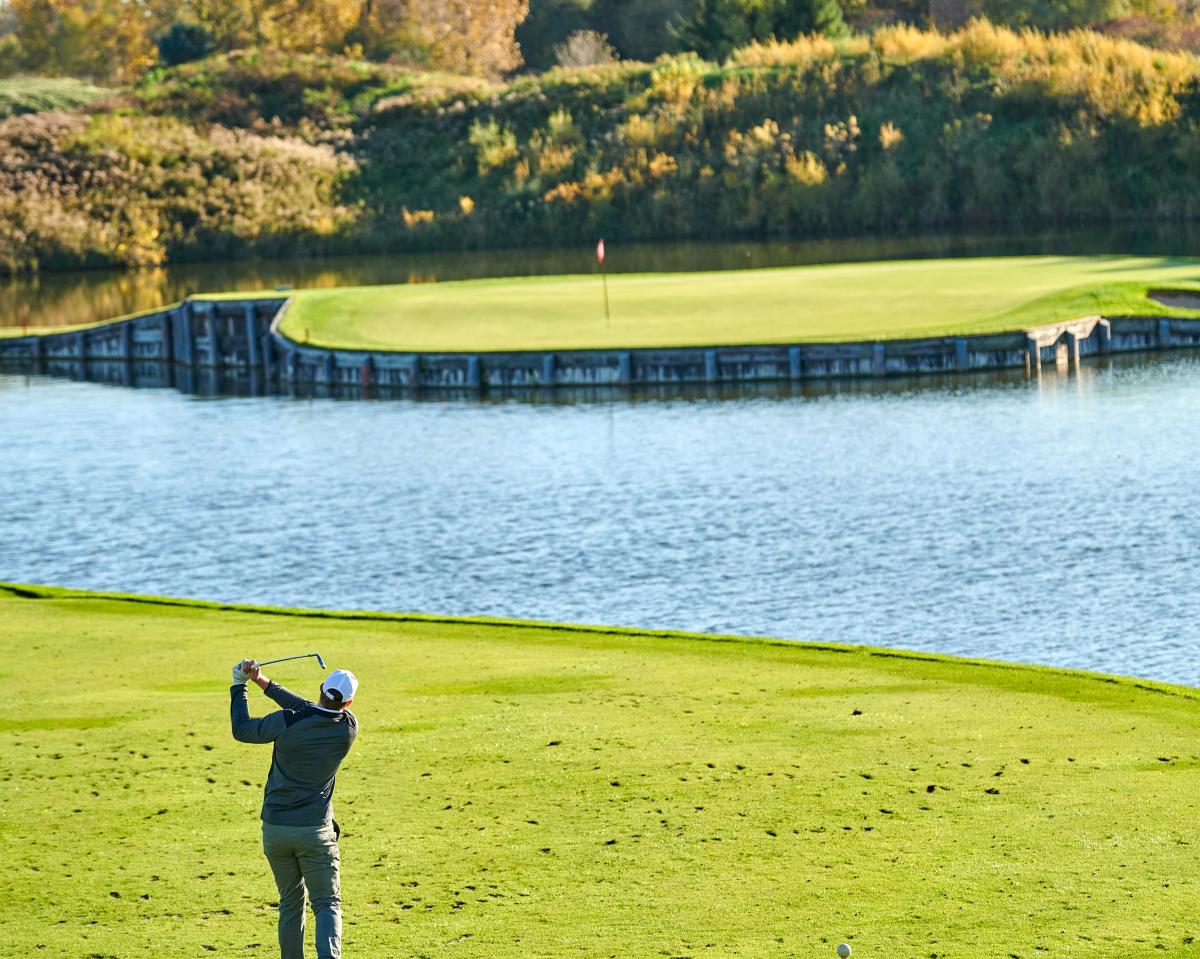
(1054, 14)
(183, 42)
(642, 29)
(719, 26)
(549, 23)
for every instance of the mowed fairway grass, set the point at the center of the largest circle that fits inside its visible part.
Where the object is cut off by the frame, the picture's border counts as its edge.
(519, 790)
(906, 299)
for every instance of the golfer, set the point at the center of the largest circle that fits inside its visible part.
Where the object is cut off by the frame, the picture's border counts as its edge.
(300, 838)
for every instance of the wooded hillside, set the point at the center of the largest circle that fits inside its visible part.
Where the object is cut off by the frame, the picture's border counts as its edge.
(261, 152)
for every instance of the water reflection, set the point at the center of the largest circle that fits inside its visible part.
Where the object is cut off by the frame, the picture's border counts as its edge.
(212, 383)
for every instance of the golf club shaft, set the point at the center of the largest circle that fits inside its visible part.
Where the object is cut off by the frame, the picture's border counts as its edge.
(284, 659)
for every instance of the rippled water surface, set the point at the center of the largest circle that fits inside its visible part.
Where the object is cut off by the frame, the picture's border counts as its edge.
(1054, 522)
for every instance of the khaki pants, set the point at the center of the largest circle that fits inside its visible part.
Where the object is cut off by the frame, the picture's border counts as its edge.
(305, 859)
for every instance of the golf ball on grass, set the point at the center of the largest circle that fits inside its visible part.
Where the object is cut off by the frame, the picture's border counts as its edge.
(843, 950)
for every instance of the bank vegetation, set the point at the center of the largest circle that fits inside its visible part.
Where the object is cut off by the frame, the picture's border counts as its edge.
(273, 152)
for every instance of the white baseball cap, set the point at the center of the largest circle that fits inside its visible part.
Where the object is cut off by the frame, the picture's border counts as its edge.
(343, 682)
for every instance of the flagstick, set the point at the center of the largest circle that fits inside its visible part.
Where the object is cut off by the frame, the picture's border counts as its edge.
(604, 275)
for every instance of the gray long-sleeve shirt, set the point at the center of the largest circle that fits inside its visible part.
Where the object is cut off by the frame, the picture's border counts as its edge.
(310, 744)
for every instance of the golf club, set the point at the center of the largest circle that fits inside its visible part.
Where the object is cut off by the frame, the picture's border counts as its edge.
(284, 659)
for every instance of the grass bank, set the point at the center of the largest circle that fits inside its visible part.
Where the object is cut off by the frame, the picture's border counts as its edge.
(798, 304)
(523, 789)
(40, 94)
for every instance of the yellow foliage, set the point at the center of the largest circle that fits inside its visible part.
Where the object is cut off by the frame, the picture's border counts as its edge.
(470, 36)
(562, 129)
(563, 193)
(801, 52)
(592, 187)
(759, 141)
(841, 138)
(675, 79)
(555, 159)
(639, 131)
(765, 133)
(494, 145)
(1118, 77)
(415, 218)
(890, 135)
(662, 165)
(981, 44)
(290, 24)
(466, 205)
(98, 39)
(807, 169)
(905, 44)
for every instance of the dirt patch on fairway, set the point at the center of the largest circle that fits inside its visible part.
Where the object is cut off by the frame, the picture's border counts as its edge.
(1181, 299)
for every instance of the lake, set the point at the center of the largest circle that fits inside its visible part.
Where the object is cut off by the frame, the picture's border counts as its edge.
(1050, 521)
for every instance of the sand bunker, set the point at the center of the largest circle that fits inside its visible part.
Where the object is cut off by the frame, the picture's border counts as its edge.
(1183, 299)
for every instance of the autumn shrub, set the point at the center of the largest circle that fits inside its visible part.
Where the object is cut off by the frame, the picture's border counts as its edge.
(135, 191)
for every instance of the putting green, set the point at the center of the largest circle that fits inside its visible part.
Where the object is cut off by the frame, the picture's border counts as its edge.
(856, 301)
(519, 790)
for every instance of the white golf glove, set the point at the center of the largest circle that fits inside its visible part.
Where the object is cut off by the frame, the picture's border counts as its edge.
(240, 676)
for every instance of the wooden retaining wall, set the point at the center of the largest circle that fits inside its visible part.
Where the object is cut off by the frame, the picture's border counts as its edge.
(199, 344)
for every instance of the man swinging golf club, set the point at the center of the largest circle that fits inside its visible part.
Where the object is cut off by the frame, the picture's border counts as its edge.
(300, 838)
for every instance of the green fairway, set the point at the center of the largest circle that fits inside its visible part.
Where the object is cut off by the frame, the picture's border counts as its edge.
(860, 301)
(530, 791)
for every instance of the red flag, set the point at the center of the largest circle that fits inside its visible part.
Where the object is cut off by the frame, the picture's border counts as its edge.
(600, 251)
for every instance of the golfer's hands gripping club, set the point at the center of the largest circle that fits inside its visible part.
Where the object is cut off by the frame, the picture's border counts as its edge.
(247, 671)
(257, 676)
